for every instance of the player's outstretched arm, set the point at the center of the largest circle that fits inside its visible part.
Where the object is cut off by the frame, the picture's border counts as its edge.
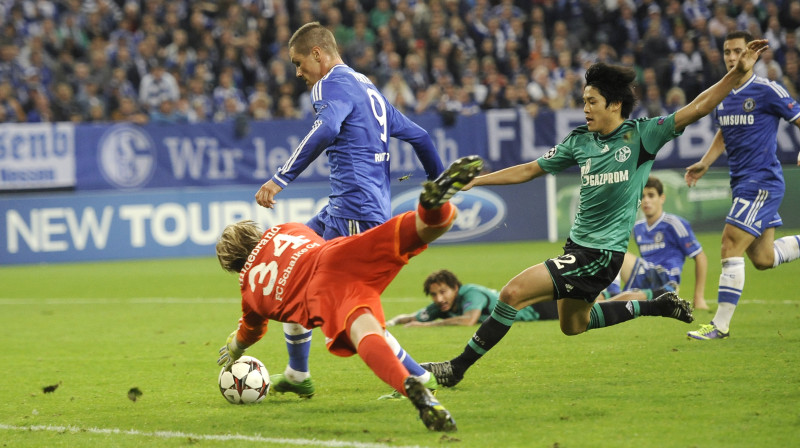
(696, 170)
(231, 351)
(468, 319)
(711, 97)
(512, 175)
(399, 320)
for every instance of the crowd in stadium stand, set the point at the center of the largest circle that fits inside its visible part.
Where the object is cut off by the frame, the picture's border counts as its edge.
(183, 61)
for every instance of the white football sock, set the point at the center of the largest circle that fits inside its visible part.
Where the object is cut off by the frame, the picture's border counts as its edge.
(786, 249)
(295, 376)
(731, 283)
(722, 320)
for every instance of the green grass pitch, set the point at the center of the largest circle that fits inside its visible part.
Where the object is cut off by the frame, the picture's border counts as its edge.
(96, 330)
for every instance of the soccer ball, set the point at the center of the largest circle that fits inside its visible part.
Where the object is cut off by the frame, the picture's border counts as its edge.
(247, 381)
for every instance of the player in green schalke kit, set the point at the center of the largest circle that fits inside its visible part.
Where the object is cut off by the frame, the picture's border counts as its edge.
(615, 155)
(465, 304)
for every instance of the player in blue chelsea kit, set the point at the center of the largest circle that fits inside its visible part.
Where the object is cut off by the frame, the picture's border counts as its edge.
(353, 125)
(665, 241)
(748, 123)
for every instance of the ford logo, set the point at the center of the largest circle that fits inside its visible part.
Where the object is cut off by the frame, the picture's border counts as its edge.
(479, 212)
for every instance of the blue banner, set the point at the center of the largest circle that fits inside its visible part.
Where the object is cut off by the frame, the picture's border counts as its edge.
(155, 156)
(131, 157)
(60, 227)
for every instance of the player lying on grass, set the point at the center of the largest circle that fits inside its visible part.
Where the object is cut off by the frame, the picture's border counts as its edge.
(615, 155)
(290, 274)
(467, 304)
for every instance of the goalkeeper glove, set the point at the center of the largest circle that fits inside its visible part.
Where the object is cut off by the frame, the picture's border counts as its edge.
(230, 352)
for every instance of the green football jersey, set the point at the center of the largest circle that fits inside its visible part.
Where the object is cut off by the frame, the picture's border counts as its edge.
(473, 297)
(614, 170)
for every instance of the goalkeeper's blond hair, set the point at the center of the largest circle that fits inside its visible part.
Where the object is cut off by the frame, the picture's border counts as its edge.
(236, 243)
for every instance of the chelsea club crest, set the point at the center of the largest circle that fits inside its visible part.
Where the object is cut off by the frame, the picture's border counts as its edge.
(749, 105)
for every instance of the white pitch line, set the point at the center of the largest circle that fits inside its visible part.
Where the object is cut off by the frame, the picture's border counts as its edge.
(186, 435)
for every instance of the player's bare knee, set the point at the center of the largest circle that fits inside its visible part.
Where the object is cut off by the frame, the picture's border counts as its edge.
(571, 329)
(762, 265)
(511, 295)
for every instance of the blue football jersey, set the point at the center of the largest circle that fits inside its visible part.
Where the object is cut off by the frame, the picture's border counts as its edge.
(353, 124)
(667, 243)
(748, 119)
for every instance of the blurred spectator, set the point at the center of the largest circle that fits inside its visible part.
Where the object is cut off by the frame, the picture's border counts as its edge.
(64, 105)
(178, 53)
(157, 86)
(516, 92)
(280, 74)
(789, 15)
(751, 14)
(788, 50)
(449, 103)
(713, 66)
(119, 86)
(168, 113)
(199, 100)
(99, 67)
(251, 67)
(226, 90)
(362, 39)
(495, 83)
(564, 98)
(627, 36)
(128, 111)
(775, 34)
(260, 106)
(397, 91)
(39, 111)
(415, 74)
(651, 105)
(687, 69)
(92, 102)
(469, 106)
(654, 46)
(766, 63)
(11, 109)
(674, 99)
(720, 23)
(540, 89)
(791, 77)
(694, 10)
(286, 108)
(426, 99)
(45, 43)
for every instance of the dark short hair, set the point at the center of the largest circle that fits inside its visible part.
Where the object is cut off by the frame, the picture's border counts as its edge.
(740, 35)
(615, 84)
(310, 35)
(654, 182)
(441, 276)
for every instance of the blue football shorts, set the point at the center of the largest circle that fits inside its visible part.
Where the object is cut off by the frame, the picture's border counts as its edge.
(329, 227)
(755, 209)
(646, 275)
